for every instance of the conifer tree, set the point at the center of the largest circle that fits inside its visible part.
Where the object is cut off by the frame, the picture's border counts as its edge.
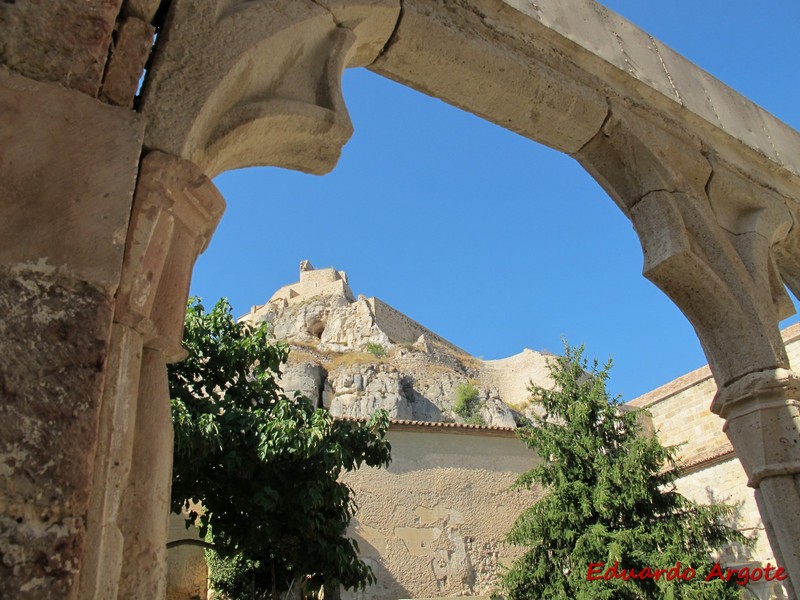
(611, 499)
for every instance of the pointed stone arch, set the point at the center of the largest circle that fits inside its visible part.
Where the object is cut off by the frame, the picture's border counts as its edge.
(710, 181)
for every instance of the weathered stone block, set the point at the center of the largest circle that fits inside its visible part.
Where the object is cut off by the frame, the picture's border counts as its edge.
(53, 341)
(141, 9)
(67, 172)
(39, 558)
(229, 89)
(126, 65)
(58, 40)
(485, 66)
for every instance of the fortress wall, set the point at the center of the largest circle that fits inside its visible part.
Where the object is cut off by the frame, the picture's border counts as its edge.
(400, 329)
(302, 291)
(319, 276)
(309, 289)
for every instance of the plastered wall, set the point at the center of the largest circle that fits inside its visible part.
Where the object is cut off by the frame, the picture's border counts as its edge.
(432, 524)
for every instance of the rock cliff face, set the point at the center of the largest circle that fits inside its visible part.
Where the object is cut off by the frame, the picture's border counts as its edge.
(356, 355)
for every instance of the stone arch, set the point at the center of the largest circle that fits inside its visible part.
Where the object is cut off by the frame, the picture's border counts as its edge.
(710, 181)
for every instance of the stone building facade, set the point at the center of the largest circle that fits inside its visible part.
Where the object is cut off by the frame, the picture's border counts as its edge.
(432, 524)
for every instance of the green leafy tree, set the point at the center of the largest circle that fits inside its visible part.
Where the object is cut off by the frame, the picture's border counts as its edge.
(611, 499)
(264, 466)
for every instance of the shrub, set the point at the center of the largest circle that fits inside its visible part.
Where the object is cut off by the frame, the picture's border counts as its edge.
(264, 466)
(467, 404)
(377, 350)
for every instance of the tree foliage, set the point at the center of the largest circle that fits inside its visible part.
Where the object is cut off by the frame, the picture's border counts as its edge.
(611, 498)
(467, 404)
(264, 466)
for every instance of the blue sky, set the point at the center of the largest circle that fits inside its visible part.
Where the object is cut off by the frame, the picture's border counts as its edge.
(489, 239)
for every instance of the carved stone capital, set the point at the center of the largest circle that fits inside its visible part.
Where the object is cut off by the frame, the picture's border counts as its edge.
(762, 420)
(238, 83)
(708, 232)
(175, 211)
(721, 290)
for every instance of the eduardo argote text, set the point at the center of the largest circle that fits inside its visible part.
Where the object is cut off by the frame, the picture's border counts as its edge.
(743, 575)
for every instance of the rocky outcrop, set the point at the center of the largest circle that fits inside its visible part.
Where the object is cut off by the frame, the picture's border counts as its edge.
(330, 322)
(355, 356)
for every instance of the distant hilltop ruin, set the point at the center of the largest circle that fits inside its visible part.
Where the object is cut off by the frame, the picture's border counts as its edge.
(354, 355)
(368, 320)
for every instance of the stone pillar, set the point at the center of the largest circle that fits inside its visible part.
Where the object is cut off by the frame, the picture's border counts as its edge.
(68, 166)
(175, 212)
(231, 84)
(711, 238)
(762, 420)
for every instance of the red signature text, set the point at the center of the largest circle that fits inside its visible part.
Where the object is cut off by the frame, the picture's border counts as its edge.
(742, 575)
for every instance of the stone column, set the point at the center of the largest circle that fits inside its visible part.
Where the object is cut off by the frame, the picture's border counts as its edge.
(68, 166)
(176, 210)
(762, 420)
(710, 237)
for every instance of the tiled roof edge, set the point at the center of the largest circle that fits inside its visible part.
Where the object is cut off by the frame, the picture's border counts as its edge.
(684, 382)
(706, 459)
(407, 424)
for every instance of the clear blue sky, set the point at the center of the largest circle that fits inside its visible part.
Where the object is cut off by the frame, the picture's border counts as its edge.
(489, 239)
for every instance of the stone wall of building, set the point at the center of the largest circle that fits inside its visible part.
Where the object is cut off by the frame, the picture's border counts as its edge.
(681, 415)
(680, 408)
(432, 524)
(725, 481)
